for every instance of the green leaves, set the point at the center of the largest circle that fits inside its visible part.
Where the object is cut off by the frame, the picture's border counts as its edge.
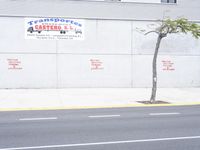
(180, 25)
(195, 30)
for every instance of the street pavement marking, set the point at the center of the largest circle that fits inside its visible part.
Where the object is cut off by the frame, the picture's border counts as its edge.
(31, 119)
(104, 116)
(162, 114)
(103, 143)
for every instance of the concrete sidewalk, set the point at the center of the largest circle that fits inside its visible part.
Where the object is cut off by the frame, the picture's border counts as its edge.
(71, 98)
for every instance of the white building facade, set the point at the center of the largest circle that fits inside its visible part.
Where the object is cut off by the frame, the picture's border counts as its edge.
(61, 44)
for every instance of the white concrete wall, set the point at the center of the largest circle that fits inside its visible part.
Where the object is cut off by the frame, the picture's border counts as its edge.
(185, 71)
(101, 37)
(80, 71)
(113, 53)
(13, 40)
(33, 71)
(181, 50)
(174, 44)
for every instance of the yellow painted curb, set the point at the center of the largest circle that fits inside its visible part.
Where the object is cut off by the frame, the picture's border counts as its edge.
(96, 107)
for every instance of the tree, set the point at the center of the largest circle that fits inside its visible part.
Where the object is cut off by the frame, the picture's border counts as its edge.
(169, 26)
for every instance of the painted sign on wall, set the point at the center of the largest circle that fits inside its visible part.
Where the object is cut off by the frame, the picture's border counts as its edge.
(54, 29)
(96, 64)
(14, 64)
(168, 65)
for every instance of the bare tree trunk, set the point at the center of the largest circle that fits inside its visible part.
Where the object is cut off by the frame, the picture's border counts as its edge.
(154, 65)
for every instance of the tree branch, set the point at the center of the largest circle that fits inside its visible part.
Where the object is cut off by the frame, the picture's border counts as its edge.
(151, 32)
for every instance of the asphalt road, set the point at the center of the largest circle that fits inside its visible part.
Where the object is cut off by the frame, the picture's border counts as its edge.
(147, 128)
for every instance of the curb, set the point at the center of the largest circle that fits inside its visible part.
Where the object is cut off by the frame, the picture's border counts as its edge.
(98, 107)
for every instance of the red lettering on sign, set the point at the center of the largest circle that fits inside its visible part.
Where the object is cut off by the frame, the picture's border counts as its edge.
(96, 64)
(167, 65)
(68, 27)
(48, 27)
(14, 64)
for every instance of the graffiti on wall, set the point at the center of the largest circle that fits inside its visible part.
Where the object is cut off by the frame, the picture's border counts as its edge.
(96, 64)
(14, 64)
(54, 29)
(168, 65)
